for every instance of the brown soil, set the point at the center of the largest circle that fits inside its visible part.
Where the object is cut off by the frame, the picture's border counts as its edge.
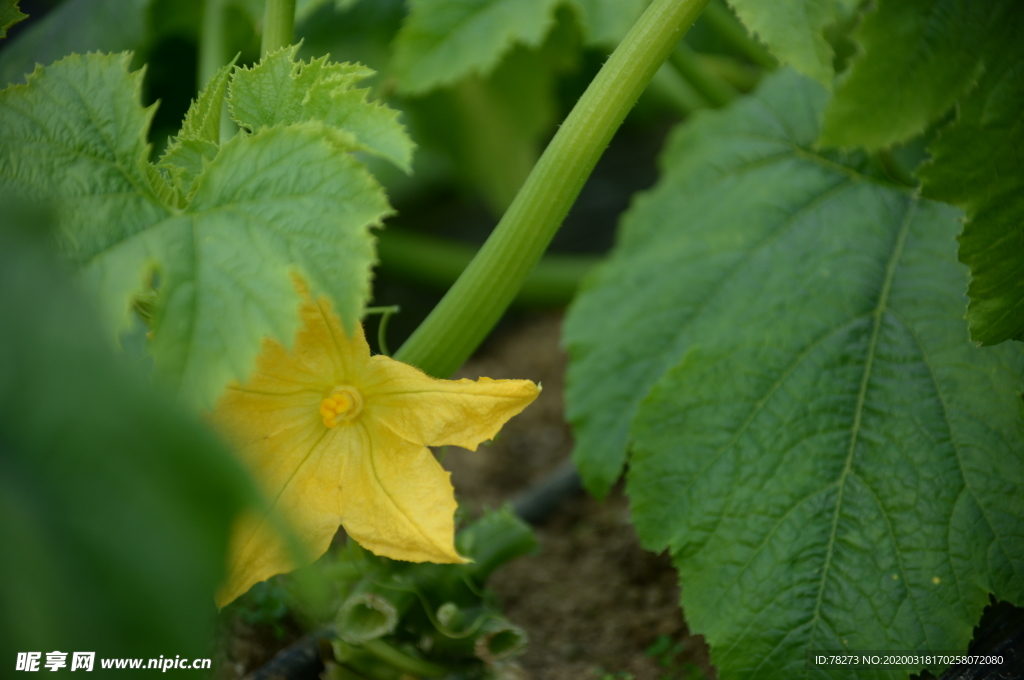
(592, 600)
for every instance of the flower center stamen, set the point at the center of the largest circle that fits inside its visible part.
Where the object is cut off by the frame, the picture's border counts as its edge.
(344, 404)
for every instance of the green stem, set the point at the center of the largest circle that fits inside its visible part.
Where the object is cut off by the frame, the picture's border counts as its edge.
(213, 50)
(675, 90)
(438, 263)
(402, 661)
(712, 86)
(895, 170)
(382, 326)
(213, 54)
(278, 25)
(742, 76)
(461, 321)
(726, 25)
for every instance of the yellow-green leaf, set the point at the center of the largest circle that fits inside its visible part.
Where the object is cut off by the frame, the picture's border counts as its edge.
(281, 90)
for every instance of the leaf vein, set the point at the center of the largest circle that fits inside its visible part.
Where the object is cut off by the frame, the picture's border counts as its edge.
(883, 299)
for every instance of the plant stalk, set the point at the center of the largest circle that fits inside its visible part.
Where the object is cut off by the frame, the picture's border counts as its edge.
(213, 51)
(712, 86)
(671, 87)
(213, 54)
(278, 25)
(438, 262)
(402, 661)
(464, 317)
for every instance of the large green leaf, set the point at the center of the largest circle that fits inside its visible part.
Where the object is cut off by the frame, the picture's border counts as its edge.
(918, 57)
(442, 41)
(115, 507)
(829, 459)
(794, 31)
(977, 166)
(284, 200)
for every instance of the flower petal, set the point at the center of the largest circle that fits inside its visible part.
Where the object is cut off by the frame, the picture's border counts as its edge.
(371, 472)
(256, 552)
(299, 469)
(398, 501)
(431, 412)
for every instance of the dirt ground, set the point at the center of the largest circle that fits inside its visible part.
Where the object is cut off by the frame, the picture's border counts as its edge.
(595, 605)
(592, 600)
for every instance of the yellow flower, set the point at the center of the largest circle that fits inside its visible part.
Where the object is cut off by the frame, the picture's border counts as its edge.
(338, 437)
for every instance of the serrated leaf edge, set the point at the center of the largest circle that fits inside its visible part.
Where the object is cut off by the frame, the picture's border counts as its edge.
(343, 139)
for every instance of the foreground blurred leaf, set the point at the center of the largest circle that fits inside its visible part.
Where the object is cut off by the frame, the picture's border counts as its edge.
(977, 166)
(830, 461)
(285, 199)
(114, 506)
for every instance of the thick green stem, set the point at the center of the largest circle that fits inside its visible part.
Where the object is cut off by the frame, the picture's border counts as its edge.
(278, 25)
(438, 263)
(472, 307)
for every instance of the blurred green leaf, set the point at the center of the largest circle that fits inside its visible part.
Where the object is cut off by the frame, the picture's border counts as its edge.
(285, 200)
(9, 15)
(794, 32)
(830, 461)
(977, 166)
(114, 505)
(606, 22)
(443, 41)
(362, 33)
(491, 129)
(75, 26)
(917, 58)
